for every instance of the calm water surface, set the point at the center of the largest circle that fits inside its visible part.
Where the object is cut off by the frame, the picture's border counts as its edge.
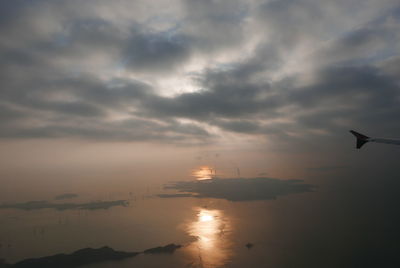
(341, 224)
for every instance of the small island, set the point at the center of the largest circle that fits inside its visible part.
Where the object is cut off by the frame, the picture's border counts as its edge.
(77, 258)
(168, 249)
(86, 256)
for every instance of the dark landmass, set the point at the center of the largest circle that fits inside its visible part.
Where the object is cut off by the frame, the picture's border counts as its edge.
(168, 249)
(84, 257)
(65, 196)
(80, 257)
(32, 205)
(103, 204)
(240, 189)
(175, 195)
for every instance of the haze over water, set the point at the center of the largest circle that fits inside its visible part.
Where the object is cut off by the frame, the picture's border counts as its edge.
(337, 220)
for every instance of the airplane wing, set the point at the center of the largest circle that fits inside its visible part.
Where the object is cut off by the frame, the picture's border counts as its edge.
(362, 139)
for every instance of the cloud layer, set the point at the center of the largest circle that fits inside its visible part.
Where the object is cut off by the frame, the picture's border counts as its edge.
(192, 71)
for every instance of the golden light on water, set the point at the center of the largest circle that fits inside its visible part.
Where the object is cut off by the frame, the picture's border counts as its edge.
(211, 229)
(204, 173)
(203, 218)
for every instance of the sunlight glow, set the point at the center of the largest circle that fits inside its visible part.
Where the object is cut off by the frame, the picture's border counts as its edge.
(206, 218)
(212, 231)
(204, 173)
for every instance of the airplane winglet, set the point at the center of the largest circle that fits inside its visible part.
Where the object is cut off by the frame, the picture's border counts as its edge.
(361, 139)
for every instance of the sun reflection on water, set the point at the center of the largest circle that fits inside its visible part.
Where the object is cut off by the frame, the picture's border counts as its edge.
(204, 173)
(212, 245)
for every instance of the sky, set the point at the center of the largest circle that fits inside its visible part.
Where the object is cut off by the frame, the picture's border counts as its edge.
(92, 82)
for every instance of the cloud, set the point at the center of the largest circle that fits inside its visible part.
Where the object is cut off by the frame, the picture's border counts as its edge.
(269, 70)
(215, 25)
(156, 52)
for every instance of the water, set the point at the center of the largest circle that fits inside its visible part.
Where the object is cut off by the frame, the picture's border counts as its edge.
(343, 223)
